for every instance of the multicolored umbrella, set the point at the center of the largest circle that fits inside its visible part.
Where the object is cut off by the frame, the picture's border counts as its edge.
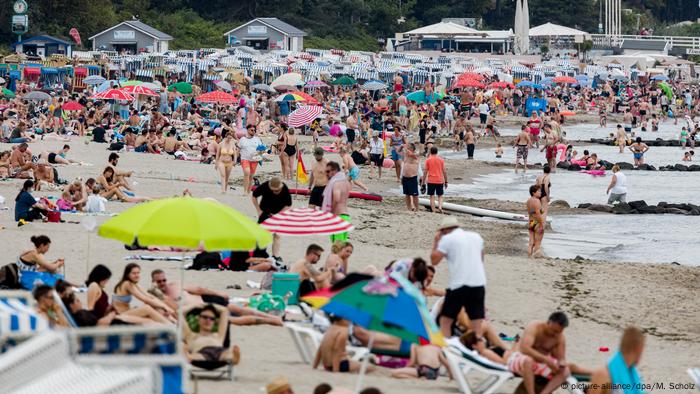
(113, 94)
(72, 106)
(374, 85)
(139, 90)
(304, 115)
(565, 79)
(182, 87)
(306, 221)
(345, 80)
(218, 97)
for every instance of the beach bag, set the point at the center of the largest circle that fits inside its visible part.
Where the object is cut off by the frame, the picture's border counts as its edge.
(30, 279)
(9, 277)
(54, 216)
(267, 303)
(116, 146)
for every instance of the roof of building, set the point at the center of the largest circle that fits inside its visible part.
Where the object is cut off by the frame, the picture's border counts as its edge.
(644, 45)
(142, 27)
(443, 29)
(552, 30)
(281, 26)
(44, 37)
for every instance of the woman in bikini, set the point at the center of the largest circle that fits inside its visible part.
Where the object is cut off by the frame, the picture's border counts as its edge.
(543, 181)
(291, 146)
(226, 157)
(638, 150)
(536, 221)
(111, 188)
(207, 344)
(279, 147)
(338, 259)
(128, 287)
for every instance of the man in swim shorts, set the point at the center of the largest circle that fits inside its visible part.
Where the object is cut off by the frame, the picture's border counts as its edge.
(522, 145)
(332, 352)
(318, 179)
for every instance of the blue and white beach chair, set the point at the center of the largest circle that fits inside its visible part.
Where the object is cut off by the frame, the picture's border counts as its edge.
(18, 320)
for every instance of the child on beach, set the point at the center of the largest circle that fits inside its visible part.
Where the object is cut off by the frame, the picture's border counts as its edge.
(603, 118)
(688, 156)
(499, 151)
(352, 170)
(95, 202)
(654, 123)
(65, 203)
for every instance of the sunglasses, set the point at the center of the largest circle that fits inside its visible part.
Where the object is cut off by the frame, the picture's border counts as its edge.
(161, 281)
(207, 317)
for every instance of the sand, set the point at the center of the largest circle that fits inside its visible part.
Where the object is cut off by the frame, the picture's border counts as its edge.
(601, 298)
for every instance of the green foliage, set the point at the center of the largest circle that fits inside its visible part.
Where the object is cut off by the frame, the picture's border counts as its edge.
(544, 49)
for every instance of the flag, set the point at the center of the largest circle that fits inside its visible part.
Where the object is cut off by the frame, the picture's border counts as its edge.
(302, 176)
(75, 35)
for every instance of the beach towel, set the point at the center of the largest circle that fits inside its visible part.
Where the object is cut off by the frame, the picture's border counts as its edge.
(328, 191)
(624, 377)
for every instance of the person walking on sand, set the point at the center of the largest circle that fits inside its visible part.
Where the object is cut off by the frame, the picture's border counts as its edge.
(550, 146)
(621, 370)
(335, 196)
(522, 145)
(318, 179)
(617, 187)
(464, 252)
(536, 220)
(409, 177)
(435, 174)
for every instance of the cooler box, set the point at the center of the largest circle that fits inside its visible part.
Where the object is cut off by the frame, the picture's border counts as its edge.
(284, 283)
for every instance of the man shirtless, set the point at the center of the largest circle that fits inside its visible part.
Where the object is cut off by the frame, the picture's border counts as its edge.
(172, 145)
(470, 141)
(18, 162)
(120, 176)
(621, 138)
(522, 143)
(627, 120)
(550, 145)
(335, 197)
(542, 352)
(351, 168)
(332, 354)
(318, 179)
(311, 278)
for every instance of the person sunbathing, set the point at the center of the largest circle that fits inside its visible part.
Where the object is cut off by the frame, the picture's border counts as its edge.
(112, 188)
(311, 278)
(338, 259)
(425, 363)
(128, 287)
(332, 353)
(34, 260)
(5, 164)
(169, 293)
(20, 167)
(87, 318)
(205, 344)
(47, 308)
(495, 351)
(58, 157)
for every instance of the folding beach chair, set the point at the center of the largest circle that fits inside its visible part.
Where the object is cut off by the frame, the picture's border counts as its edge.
(205, 369)
(463, 362)
(18, 321)
(307, 341)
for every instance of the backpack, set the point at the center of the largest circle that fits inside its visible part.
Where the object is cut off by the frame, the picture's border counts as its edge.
(207, 261)
(9, 277)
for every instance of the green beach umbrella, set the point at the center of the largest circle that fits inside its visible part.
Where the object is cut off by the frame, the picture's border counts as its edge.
(667, 90)
(182, 87)
(132, 83)
(188, 223)
(8, 93)
(344, 81)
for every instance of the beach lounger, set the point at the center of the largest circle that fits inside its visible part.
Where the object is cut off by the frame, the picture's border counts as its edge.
(204, 369)
(307, 341)
(695, 375)
(18, 320)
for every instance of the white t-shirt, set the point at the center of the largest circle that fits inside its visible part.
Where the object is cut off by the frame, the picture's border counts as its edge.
(463, 249)
(483, 109)
(620, 183)
(95, 204)
(249, 147)
(376, 147)
(449, 110)
(344, 111)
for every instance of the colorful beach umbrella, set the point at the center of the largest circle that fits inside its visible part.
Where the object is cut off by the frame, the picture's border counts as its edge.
(8, 93)
(182, 87)
(565, 79)
(304, 115)
(374, 85)
(186, 222)
(306, 221)
(289, 97)
(345, 80)
(667, 90)
(72, 106)
(139, 90)
(217, 97)
(113, 94)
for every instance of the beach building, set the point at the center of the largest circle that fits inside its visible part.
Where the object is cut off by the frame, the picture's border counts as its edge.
(131, 36)
(44, 46)
(267, 34)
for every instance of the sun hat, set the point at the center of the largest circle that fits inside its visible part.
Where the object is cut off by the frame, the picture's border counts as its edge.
(448, 222)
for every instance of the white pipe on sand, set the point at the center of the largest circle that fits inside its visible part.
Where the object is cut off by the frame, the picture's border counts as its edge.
(476, 211)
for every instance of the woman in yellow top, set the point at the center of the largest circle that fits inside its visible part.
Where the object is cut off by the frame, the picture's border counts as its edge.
(226, 157)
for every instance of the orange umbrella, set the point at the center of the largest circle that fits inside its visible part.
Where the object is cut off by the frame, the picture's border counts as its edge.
(565, 79)
(470, 75)
(567, 113)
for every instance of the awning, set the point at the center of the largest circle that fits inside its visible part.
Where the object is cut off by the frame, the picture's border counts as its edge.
(123, 42)
(80, 71)
(17, 317)
(255, 38)
(32, 70)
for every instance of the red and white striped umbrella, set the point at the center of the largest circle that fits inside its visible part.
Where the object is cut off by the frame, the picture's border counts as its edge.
(306, 221)
(304, 115)
(139, 90)
(113, 94)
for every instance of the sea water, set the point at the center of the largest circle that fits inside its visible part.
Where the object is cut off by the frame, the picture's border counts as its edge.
(586, 131)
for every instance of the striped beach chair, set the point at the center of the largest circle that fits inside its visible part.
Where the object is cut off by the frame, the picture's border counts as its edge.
(18, 320)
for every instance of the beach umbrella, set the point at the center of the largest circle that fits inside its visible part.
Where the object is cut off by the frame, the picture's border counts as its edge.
(659, 77)
(565, 79)
(667, 90)
(289, 97)
(304, 115)
(567, 112)
(289, 79)
(113, 94)
(156, 87)
(182, 87)
(306, 221)
(263, 88)
(218, 97)
(419, 96)
(525, 84)
(392, 306)
(94, 80)
(224, 85)
(139, 90)
(470, 75)
(345, 80)
(37, 95)
(547, 81)
(8, 93)
(374, 85)
(132, 83)
(500, 85)
(468, 83)
(72, 106)
(106, 85)
(188, 223)
(316, 84)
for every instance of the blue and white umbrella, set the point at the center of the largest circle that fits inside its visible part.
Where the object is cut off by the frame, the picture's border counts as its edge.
(374, 85)
(106, 85)
(94, 80)
(659, 77)
(547, 81)
(17, 318)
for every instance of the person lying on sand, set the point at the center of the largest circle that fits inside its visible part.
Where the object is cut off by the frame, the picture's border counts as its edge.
(332, 354)
(425, 363)
(169, 292)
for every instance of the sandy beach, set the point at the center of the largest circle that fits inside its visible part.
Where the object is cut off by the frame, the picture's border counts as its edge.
(600, 297)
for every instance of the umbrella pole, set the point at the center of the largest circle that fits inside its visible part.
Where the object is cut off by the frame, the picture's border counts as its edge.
(365, 362)
(180, 308)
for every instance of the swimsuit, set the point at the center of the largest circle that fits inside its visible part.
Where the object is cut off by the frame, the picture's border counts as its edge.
(534, 223)
(354, 173)
(344, 366)
(122, 298)
(290, 150)
(522, 152)
(428, 372)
